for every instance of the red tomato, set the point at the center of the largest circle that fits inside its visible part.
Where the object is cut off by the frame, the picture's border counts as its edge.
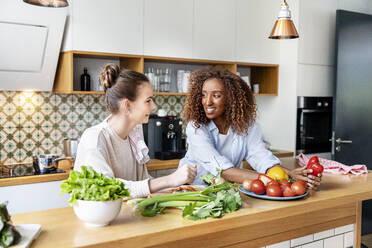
(286, 182)
(258, 187)
(285, 186)
(273, 190)
(247, 184)
(287, 191)
(303, 182)
(298, 188)
(273, 183)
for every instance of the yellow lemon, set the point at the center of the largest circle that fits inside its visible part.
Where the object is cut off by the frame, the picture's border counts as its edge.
(277, 173)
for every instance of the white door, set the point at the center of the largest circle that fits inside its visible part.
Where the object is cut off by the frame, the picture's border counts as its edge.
(214, 30)
(30, 43)
(168, 28)
(112, 26)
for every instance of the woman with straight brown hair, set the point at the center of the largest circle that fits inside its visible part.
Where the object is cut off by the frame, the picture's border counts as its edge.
(115, 147)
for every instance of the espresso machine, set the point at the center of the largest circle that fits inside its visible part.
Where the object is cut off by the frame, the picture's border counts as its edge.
(163, 136)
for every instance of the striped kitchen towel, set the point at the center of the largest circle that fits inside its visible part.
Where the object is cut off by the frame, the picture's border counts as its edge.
(140, 149)
(334, 166)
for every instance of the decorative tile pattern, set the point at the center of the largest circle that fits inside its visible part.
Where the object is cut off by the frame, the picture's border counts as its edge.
(33, 123)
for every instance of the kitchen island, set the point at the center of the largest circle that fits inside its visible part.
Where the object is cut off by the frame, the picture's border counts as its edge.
(258, 223)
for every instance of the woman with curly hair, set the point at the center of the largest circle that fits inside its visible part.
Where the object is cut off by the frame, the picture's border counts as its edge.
(222, 131)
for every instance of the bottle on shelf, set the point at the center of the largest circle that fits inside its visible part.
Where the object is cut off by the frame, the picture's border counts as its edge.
(85, 80)
(180, 80)
(157, 77)
(167, 80)
(151, 76)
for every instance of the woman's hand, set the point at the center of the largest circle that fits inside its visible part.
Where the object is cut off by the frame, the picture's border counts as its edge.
(183, 175)
(313, 182)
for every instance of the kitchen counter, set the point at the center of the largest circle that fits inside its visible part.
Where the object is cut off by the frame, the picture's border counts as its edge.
(258, 223)
(153, 164)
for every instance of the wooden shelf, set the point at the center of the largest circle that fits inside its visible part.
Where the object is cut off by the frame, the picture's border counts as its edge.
(170, 93)
(266, 75)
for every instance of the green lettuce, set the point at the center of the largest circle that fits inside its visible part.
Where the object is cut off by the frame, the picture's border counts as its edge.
(88, 185)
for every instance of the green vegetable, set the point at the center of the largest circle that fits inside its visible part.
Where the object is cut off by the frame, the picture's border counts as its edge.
(213, 201)
(208, 178)
(8, 233)
(211, 179)
(89, 185)
(4, 215)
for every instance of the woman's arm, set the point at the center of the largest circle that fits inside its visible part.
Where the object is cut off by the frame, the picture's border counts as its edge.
(238, 175)
(258, 156)
(183, 175)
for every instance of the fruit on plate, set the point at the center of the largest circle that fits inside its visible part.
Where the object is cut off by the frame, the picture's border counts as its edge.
(274, 190)
(303, 182)
(247, 184)
(277, 173)
(315, 165)
(265, 179)
(287, 191)
(298, 188)
(258, 187)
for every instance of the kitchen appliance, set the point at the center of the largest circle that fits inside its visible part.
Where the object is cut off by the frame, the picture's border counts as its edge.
(314, 125)
(163, 136)
(46, 163)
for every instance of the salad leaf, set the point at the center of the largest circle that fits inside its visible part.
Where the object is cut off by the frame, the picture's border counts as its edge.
(89, 185)
(208, 178)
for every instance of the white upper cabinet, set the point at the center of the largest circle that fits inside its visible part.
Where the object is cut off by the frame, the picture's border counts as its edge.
(255, 20)
(317, 32)
(214, 29)
(168, 28)
(112, 26)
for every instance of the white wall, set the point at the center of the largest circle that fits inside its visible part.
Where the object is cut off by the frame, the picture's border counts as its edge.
(277, 115)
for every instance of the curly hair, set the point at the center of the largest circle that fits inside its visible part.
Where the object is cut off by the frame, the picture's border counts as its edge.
(240, 106)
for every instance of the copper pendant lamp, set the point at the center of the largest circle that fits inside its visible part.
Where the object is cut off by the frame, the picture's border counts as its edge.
(48, 3)
(284, 27)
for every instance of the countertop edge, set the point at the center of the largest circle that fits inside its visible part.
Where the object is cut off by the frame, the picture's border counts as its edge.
(153, 164)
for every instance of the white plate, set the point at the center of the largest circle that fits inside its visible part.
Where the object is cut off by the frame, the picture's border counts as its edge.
(29, 232)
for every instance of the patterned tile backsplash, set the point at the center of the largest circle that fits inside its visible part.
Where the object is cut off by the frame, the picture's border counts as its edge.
(37, 122)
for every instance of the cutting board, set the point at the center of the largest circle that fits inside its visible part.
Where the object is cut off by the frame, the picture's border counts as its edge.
(29, 232)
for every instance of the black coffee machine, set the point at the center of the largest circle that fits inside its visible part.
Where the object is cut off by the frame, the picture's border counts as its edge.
(163, 136)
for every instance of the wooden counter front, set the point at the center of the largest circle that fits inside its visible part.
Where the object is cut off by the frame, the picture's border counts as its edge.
(258, 223)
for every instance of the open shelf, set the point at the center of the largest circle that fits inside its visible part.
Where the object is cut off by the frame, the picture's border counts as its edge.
(72, 63)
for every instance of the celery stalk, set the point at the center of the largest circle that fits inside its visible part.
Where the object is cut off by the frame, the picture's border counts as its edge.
(173, 197)
(177, 204)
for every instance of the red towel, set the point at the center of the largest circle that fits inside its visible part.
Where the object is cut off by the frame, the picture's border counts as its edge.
(335, 167)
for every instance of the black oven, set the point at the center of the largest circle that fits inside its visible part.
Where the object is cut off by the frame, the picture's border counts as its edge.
(314, 125)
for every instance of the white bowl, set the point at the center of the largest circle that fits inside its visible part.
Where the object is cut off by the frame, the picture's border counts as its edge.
(97, 213)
